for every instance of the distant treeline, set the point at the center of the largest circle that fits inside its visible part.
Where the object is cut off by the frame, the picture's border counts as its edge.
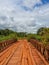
(7, 34)
(42, 35)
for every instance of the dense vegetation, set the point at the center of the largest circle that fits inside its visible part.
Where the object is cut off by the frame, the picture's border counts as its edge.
(7, 34)
(42, 35)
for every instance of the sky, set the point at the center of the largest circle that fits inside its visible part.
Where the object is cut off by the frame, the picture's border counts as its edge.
(24, 15)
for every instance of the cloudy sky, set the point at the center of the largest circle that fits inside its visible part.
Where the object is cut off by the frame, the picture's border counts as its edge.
(24, 15)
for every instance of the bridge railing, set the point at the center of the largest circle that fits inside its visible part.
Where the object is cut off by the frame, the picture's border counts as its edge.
(44, 50)
(5, 44)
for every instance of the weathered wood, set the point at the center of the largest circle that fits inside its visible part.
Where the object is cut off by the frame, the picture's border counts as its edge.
(5, 44)
(44, 50)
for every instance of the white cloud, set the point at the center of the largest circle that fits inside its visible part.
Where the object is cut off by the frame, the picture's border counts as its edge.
(13, 16)
(30, 3)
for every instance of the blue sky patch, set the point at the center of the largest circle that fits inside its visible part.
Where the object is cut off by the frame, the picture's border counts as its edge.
(45, 1)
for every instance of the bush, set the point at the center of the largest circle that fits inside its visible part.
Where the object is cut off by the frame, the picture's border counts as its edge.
(34, 36)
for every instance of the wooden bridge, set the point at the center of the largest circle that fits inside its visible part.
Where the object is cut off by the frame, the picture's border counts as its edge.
(22, 53)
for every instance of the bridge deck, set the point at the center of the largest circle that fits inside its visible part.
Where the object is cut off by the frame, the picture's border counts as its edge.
(22, 53)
